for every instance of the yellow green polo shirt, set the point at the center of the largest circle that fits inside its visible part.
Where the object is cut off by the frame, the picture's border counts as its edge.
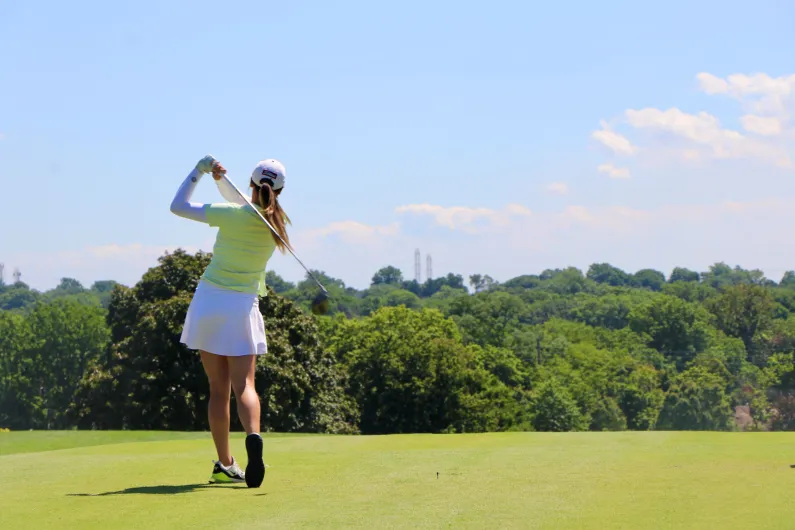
(242, 248)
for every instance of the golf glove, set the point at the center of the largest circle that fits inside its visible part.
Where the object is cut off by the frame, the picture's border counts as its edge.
(206, 164)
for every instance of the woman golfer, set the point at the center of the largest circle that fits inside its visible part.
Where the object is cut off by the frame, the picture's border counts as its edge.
(223, 321)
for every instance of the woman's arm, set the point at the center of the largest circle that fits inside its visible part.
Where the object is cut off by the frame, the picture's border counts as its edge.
(228, 193)
(181, 205)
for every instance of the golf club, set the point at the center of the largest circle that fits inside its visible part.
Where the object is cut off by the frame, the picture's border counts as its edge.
(320, 303)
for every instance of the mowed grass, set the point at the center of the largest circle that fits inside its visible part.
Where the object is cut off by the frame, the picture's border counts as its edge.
(514, 480)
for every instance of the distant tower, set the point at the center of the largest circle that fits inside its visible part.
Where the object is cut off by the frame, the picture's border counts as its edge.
(2, 279)
(428, 267)
(17, 275)
(417, 265)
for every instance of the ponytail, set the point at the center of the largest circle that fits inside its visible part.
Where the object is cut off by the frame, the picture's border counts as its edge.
(268, 200)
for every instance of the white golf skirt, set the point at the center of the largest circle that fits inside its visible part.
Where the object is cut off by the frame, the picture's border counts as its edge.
(224, 322)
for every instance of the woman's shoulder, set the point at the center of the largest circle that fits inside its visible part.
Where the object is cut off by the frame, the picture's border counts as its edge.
(219, 213)
(228, 208)
(226, 205)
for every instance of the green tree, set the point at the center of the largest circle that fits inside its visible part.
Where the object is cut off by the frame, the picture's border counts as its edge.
(608, 416)
(609, 311)
(606, 273)
(70, 336)
(18, 296)
(528, 281)
(720, 275)
(641, 398)
(689, 291)
(480, 282)
(697, 401)
(19, 399)
(151, 381)
(102, 290)
(674, 327)
(71, 289)
(788, 280)
(443, 298)
(409, 372)
(487, 318)
(566, 281)
(555, 410)
(578, 357)
(388, 275)
(507, 366)
(342, 299)
(434, 285)
(387, 295)
(555, 351)
(401, 297)
(681, 274)
(277, 283)
(743, 311)
(69, 286)
(44, 355)
(649, 279)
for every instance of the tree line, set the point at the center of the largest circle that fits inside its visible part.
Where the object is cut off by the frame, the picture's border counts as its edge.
(563, 350)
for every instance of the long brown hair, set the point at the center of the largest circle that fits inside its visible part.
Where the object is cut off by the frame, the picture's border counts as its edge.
(268, 200)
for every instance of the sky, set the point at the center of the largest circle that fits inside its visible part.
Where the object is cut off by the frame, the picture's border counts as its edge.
(501, 138)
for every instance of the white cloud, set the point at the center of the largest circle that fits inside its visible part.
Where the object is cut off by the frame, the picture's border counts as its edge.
(517, 210)
(559, 188)
(766, 126)
(123, 263)
(353, 232)
(702, 128)
(760, 92)
(701, 136)
(609, 217)
(690, 235)
(613, 172)
(463, 217)
(712, 84)
(613, 141)
(674, 136)
(511, 242)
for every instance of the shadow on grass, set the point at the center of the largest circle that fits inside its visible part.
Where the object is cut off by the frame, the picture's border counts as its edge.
(160, 490)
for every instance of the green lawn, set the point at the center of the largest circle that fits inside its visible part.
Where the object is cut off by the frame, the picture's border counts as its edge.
(535, 480)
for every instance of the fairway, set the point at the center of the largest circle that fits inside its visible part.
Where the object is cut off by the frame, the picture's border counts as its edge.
(507, 480)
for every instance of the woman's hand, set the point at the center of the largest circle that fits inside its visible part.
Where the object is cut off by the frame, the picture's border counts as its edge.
(209, 164)
(218, 170)
(206, 164)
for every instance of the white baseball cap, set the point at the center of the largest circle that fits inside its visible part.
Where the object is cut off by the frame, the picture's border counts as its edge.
(271, 171)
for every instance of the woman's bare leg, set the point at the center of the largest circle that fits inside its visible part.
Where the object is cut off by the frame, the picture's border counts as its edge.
(217, 370)
(241, 372)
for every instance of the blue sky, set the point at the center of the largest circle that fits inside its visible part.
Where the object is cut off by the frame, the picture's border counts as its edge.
(469, 130)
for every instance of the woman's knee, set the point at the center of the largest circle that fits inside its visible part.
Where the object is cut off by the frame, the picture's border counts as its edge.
(242, 385)
(241, 372)
(220, 394)
(217, 370)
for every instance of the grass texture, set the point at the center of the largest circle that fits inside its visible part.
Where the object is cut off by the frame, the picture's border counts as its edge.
(629, 480)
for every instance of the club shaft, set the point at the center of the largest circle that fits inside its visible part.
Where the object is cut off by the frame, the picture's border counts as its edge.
(262, 217)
